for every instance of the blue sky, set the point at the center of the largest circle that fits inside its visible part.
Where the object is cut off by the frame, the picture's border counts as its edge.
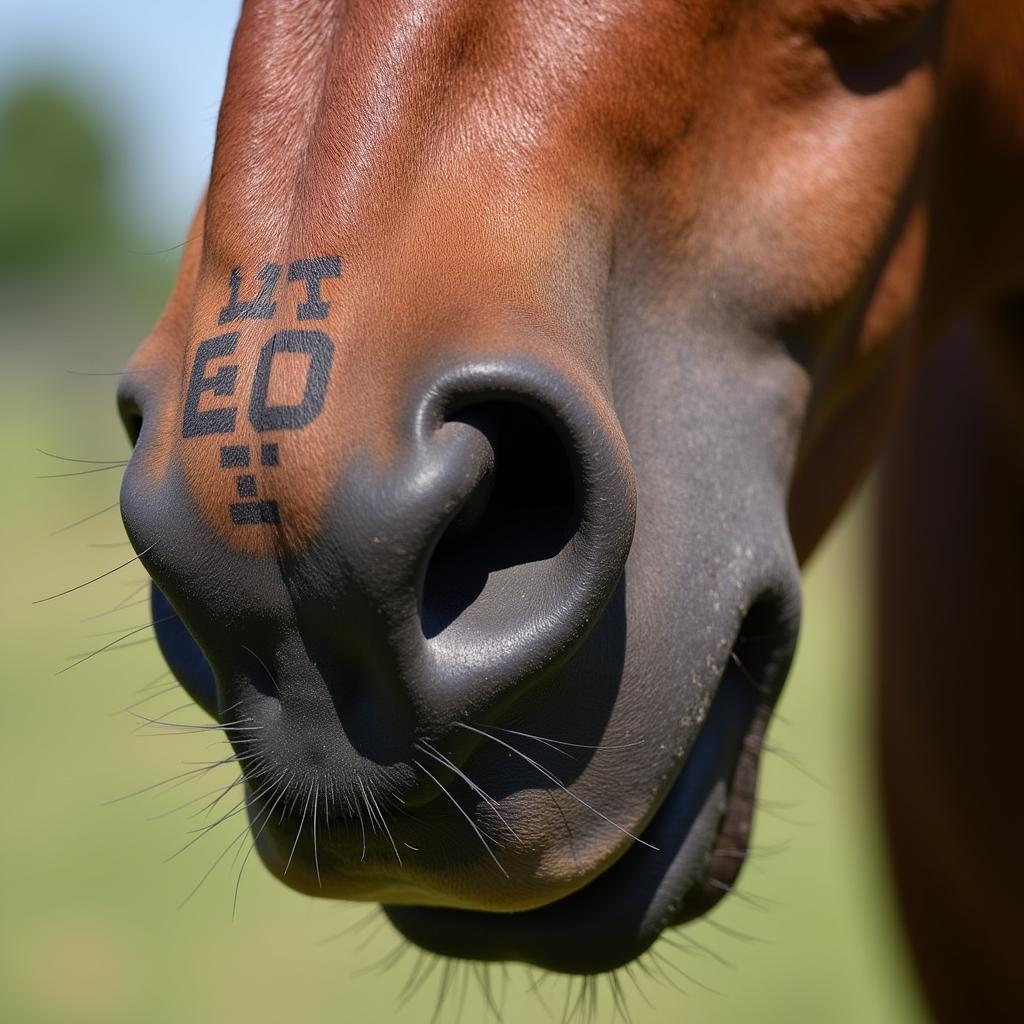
(156, 67)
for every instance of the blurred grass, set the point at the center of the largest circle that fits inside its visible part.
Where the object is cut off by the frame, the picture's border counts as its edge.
(91, 927)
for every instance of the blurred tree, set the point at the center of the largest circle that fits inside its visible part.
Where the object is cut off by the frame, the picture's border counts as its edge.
(55, 179)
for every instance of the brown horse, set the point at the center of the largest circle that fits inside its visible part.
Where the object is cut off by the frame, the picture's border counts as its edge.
(519, 354)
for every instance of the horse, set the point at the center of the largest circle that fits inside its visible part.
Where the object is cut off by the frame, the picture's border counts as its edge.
(519, 356)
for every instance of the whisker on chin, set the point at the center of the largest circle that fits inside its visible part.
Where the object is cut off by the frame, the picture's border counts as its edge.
(176, 780)
(425, 966)
(735, 933)
(757, 902)
(360, 924)
(147, 699)
(235, 725)
(207, 829)
(651, 966)
(196, 799)
(463, 991)
(686, 944)
(316, 856)
(386, 962)
(277, 791)
(632, 975)
(246, 777)
(328, 791)
(661, 958)
(548, 775)
(298, 832)
(238, 839)
(227, 849)
(619, 997)
(432, 752)
(362, 828)
(556, 744)
(793, 760)
(381, 819)
(459, 808)
(442, 991)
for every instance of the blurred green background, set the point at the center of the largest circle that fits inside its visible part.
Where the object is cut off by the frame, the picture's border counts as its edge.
(92, 206)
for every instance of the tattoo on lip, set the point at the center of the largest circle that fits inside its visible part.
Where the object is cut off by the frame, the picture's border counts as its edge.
(255, 509)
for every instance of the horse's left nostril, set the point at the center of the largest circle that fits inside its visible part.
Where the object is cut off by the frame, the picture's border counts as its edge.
(524, 509)
(482, 554)
(537, 486)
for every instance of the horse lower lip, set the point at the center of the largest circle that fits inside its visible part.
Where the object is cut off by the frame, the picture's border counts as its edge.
(621, 912)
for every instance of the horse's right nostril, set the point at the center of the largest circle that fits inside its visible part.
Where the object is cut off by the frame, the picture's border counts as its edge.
(129, 409)
(525, 509)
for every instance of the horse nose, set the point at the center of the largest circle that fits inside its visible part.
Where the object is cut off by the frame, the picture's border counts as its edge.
(485, 552)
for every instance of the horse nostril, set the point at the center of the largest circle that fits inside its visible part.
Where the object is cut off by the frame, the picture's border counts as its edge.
(130, 413)
(524, 509)
(518, 507)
